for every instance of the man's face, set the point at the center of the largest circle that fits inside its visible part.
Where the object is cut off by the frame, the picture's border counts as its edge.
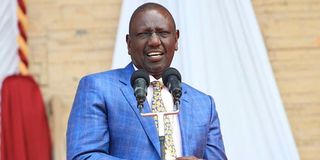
(152, 41)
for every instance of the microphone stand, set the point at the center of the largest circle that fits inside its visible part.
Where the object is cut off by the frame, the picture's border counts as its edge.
(161, 129)
(140, 107)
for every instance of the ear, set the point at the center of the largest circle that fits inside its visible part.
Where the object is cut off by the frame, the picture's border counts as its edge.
(128, 40)
(177, 38)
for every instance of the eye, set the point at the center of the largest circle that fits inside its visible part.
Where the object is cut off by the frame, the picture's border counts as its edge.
(144, 34)
(164, 34)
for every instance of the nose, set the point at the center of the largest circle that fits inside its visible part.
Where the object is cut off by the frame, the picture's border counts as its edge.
(154, 40)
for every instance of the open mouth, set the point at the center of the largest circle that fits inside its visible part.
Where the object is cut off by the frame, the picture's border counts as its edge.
(155, 56)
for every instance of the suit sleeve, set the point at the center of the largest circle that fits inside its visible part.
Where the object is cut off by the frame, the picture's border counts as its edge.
(215, 147)
(87, 132)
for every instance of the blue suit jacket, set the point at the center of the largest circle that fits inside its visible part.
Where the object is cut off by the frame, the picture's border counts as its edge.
(105, 123)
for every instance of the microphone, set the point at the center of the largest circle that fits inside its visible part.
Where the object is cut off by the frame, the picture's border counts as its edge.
(140, 81)
(172, 80)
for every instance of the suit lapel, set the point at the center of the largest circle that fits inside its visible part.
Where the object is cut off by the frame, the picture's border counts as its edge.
(147, 123)
(184, 121)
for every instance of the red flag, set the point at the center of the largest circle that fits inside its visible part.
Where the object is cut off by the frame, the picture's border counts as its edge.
(25, 130)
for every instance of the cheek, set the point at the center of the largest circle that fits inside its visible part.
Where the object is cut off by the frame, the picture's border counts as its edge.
(171, 49)
(170, 44)
(138, 44)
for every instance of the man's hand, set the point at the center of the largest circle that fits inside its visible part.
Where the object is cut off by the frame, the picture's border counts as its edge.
(187, 158)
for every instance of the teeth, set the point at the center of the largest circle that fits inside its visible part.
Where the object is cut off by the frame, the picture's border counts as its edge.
(154, 54)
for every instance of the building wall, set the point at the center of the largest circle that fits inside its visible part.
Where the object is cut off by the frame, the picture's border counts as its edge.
(69, 39)
(291, 29)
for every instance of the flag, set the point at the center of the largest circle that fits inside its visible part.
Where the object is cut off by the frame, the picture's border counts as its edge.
(25, 133)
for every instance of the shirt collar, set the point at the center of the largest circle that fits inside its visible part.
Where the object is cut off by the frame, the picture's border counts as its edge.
(150, 76)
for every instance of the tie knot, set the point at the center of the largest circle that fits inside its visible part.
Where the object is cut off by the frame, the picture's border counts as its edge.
(156, 84)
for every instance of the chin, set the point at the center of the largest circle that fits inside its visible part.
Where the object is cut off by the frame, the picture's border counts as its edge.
(156, 74)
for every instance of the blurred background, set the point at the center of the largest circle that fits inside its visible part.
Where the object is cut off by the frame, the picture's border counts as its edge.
(70, 39)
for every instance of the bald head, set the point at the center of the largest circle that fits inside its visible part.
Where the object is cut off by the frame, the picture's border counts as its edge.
(151, 6)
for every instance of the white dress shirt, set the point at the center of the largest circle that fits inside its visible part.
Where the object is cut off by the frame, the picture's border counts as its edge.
(168, 103)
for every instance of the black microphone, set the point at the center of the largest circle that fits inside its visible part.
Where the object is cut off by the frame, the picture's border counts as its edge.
(172, 80)
(140, 81)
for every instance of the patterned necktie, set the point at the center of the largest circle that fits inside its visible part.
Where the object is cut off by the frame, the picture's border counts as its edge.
(158, 106)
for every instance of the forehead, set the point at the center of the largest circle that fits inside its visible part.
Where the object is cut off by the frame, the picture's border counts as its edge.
(151, 18)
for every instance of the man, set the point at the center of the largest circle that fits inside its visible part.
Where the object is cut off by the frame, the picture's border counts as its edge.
(105, 122)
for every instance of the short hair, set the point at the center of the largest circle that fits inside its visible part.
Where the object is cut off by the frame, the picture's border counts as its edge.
(149, 6)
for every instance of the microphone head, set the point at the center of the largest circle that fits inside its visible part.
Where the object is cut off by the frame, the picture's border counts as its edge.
(170, 72)
(172, 80)
(140, 74)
